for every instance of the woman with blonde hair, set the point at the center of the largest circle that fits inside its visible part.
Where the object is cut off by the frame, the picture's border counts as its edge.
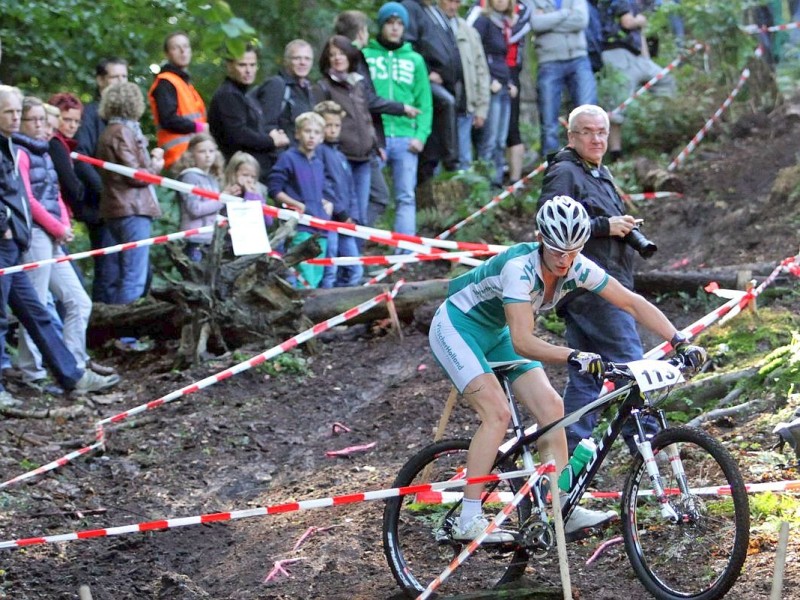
(127, 205)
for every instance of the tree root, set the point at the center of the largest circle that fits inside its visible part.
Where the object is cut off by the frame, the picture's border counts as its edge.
(745, 408)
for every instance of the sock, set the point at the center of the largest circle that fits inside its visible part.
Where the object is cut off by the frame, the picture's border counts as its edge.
(470, 508)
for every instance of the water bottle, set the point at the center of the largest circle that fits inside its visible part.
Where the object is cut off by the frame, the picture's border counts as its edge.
(580, 458)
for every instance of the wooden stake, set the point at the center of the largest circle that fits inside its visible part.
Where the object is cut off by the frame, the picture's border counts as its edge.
(84, 593)
(780, 562)
(393, 316)
(561, 539)
(751, 306)
(445, 418)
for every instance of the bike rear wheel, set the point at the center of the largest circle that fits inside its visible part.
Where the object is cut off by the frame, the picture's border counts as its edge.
(701, 556)
(416, 527)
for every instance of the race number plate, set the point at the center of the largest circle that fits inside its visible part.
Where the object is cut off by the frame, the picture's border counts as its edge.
(654, 374)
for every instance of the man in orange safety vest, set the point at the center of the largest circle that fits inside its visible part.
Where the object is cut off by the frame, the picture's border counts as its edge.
(178, 110)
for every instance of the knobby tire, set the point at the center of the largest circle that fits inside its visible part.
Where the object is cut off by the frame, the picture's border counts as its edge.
(701, 557)
(411, 523)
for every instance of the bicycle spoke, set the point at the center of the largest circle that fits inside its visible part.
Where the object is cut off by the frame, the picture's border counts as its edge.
(701, 555)
(417, 528)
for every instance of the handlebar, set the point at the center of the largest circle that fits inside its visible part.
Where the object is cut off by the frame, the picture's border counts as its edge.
(616, 372)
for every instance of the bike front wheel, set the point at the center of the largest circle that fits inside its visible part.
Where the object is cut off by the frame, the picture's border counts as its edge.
(417, 528)
(701, 556)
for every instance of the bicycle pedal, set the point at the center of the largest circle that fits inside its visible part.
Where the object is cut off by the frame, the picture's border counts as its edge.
(586, 532)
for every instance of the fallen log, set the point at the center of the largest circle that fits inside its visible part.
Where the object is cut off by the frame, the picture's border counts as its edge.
(319, 305)
(715, 386)
(730, 277)
(746, 408)
(653, 178)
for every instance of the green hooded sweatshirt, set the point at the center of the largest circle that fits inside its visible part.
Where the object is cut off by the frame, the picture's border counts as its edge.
(401, 75)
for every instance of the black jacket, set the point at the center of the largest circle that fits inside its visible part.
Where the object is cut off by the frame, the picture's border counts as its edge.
(282, 99)
(568, 175)
(237, 123)
(87, 136)
(15, 212)
(431, 36)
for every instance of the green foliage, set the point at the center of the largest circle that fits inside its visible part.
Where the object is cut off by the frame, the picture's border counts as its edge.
(281, 21)
(552, 322)
(57, 44)
(751, 338)
(717, 25)
(770, 509)
(288, 363)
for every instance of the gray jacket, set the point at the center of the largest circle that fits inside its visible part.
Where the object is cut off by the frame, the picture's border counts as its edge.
(476, 69)
(559, 33)
(197, 211)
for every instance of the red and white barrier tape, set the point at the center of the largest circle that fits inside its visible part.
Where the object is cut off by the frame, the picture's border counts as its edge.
(650, 196)
(676, 162)
(394, 258)
(731, 308)
(60, 462)
(367, 233)
(292, 342)
(208, 381)
(658, 77)
(498, 520)
(760, 28)
(793, 486)
(159, 239)
(488, 206)
(262, 511)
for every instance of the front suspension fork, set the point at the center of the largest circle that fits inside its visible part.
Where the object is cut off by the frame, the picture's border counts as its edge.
(646, 450)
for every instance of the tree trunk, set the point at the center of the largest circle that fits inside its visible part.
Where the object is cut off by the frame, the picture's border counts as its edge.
(653, 178)
(732, 277)
(320, 305)
(218, 303)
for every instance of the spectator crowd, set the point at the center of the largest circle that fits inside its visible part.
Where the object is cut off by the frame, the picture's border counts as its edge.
(431, 91)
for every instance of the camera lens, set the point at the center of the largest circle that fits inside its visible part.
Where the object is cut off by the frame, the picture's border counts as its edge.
(637, 240)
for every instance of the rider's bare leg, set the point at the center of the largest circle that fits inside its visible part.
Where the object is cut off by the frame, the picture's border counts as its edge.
(533, 388)
(487, 397)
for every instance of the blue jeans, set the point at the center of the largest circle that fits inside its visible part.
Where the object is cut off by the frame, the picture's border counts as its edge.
(492, 144)
(378, 193)
(17, 291)
(594, 325)
(576, 76)
(133, 264)
(341, 276)
(362, 178)
(465, 140)
(106, 268)
(403, 168)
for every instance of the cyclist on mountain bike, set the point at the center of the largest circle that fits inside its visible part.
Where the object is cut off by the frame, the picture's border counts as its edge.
(487, 317)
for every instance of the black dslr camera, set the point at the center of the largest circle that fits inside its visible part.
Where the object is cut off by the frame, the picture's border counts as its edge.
(637, 240)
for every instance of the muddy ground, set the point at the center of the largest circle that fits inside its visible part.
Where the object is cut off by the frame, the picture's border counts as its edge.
(261, 439)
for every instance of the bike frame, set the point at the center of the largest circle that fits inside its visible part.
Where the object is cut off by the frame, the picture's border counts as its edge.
(628, 398)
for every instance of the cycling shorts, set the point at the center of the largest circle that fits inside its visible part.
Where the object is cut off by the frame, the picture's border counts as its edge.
(464, 348)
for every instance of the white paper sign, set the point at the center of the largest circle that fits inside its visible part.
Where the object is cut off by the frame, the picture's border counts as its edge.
(248, 232)
(654, 374)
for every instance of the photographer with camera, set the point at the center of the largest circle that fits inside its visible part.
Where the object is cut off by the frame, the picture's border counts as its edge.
(592, 323)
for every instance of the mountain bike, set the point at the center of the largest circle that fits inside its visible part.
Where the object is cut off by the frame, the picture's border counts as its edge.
(684, 507)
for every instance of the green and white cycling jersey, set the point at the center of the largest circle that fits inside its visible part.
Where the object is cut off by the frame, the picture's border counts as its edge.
(516, 276)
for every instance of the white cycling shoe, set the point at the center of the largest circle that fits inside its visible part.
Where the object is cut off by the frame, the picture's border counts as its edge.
(583, 518)
(468, 531)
